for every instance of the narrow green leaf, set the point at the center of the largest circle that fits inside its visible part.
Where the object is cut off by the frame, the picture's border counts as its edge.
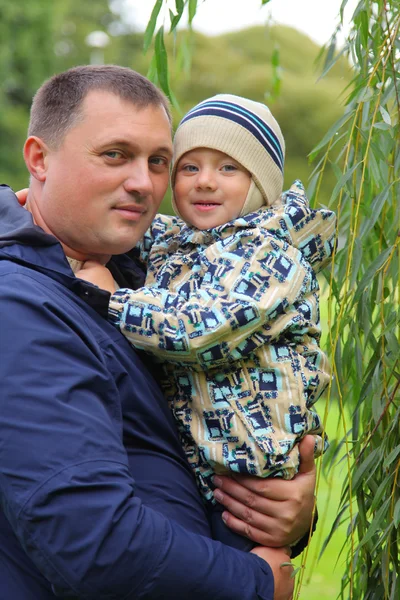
(162, 62)
(179, 5)
(376, 209)
(366, 467)
(378, 522)
(396, 514)
(312, 186)
(391, 339)
(342, 7)
(336, 524)
(365, 94)
(380, 493)
(389, 459)
(151, 25)
(174, 102)
(331, 60)
(152, 71)
(358, 359)
(332, 131)
(343, 180)
(364, 27)
(276, 73)
(385, 115)
(382, 126)
(184, 55)
(377, 403)
(370, 273)
(275, 60)
(356, 262)
(192, 10)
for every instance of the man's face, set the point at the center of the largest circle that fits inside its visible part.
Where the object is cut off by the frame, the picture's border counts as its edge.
(105, 183)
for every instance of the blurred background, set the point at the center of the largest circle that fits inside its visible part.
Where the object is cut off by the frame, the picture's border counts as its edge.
(42, 37)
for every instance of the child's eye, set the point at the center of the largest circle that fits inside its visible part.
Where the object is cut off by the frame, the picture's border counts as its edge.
(229, 168)
(190, 168)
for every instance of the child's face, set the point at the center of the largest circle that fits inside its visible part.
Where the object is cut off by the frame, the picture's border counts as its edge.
(210, 188)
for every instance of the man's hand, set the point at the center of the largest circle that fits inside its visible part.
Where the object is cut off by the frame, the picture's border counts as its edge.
(98, 274)
(283, 580)
(271, 512)
(22, 196)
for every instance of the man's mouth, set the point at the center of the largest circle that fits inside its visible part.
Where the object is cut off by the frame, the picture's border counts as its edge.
(131, 212)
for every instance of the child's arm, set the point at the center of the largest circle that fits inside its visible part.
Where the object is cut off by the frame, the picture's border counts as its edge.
(227, 318)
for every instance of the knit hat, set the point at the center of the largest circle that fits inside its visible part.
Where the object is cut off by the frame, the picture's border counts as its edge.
(246, 131)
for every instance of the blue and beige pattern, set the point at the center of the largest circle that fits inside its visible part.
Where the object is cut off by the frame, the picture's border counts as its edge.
(232, 316)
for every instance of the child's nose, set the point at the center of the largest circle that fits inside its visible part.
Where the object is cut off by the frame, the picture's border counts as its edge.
(206, 179)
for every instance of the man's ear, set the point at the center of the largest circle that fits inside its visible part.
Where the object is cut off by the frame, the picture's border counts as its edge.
(36, 156)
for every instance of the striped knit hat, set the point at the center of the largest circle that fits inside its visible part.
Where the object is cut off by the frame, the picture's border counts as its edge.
(246, 131)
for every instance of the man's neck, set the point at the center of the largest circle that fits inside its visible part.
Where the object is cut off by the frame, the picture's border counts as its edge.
(77, 256)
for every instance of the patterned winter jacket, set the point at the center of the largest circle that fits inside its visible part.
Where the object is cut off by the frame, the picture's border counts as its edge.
(232, 316)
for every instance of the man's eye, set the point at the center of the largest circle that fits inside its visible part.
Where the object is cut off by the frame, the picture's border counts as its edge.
(113, 154)
(159, 161)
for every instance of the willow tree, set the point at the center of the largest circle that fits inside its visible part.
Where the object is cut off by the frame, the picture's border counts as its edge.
(364, 322)
(363, 150)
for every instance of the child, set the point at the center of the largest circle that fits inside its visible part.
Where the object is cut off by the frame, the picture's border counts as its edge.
(230, 308)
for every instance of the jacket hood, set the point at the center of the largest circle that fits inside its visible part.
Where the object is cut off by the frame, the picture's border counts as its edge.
(16, 224)
(311, 231)
(23, 241)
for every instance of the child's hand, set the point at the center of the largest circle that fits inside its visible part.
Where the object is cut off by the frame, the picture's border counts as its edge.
(94, 272)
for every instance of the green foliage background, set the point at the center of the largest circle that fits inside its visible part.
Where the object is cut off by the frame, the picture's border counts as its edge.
(41, 37)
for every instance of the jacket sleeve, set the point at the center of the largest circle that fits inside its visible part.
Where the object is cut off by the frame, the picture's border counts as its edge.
(231, 311)
(65, 485)
(160, 225)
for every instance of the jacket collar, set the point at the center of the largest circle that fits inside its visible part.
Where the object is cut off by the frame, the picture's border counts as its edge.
(192, 236)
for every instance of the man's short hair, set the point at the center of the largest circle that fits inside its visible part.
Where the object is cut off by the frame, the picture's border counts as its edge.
(56, 106)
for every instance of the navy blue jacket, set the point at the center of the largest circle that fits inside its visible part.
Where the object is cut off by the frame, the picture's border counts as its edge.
(96, 498)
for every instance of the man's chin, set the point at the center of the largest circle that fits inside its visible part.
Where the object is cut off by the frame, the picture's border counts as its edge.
(122, 246)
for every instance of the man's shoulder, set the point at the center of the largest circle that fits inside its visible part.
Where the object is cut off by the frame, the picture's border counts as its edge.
(19, 277)
(26, 291)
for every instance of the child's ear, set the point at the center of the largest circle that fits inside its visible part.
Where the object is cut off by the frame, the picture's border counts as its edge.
(36, 155)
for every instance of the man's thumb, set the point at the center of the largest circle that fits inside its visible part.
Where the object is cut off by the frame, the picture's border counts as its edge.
(306, 449)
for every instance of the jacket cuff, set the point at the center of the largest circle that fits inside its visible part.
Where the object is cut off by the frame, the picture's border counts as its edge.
(116, 307)
(299, 546)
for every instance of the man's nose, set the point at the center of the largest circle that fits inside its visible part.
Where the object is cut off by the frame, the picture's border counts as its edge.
(139, 180)
(206, 179)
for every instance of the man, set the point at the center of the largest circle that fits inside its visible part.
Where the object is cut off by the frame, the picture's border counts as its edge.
(97, 500)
